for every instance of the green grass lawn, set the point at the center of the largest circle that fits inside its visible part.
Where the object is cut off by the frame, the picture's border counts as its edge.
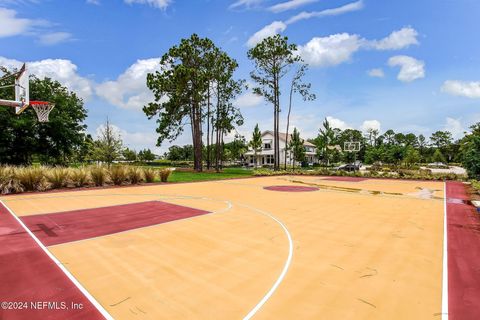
(186, 176)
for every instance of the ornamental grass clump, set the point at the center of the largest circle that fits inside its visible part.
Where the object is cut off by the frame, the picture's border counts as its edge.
(135, 175)
(149, 174)
(8, 182)
(99, 175)
(31, 178)
(57, 177)
(79, 177)
(118, 175)
(164, 174)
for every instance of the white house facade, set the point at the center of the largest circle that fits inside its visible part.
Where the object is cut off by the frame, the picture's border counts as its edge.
(265, 157)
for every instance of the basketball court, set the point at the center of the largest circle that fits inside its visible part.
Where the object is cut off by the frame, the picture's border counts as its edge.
(259, 248)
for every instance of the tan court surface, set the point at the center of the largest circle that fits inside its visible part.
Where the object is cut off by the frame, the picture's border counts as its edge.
(361, 250)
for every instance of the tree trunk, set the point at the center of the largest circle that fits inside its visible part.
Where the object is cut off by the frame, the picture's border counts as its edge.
(288, 124)
(275, 123)
(208, 127)
(277, 136)
(197, 139)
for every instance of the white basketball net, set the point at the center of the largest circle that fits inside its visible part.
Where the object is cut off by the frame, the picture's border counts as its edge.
(43, 110)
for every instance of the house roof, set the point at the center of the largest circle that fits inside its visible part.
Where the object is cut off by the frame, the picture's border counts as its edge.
(283, 136)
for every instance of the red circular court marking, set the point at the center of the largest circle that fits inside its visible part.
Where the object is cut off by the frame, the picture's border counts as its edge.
(290, 188)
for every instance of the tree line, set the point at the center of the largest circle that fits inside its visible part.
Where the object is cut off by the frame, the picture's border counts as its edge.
(390, 147)
(196, 87)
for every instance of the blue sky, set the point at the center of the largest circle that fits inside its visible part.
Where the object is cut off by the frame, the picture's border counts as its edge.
(413, 66)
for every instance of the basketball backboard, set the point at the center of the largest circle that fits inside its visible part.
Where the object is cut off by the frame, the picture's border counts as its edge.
(22, 88)
(351, 146)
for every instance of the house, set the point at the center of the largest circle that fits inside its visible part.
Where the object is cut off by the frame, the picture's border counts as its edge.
(265, 155)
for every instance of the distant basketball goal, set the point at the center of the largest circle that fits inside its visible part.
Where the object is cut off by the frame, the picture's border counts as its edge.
(351, 146)
(22, 96)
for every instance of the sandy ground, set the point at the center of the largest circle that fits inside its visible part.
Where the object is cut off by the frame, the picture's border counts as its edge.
(360, 250)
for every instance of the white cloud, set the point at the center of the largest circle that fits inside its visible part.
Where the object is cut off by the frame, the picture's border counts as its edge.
(160, 4)
(410, 68)
(337, 123)
(267, 31)
(462, 88)
(49, 39)
(280, 26)
(370, 124)
(129, 90)
(454, 126)
(289, 5)
(11, 25)
(64, 71)
(350, 7)
(399, 39)
(245, 3)
(95, 2)
(247, 100)
(331, 50)
(376, 73)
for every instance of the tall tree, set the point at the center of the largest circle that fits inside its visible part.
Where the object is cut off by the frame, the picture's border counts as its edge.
(146, 155)
(256, 143)
(297, 86)
(179, 90)
(273, 58)
(129, 155)
(326, 137)
(470, 150)
(227, 116)
(108, 146)
(297, 147)
(441, 139)
(53, 142)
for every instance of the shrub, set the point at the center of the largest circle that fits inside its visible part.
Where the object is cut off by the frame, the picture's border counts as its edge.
(8, 182)
(57, 177)
(164, 174)
(31, 178)
(135, 175)
(149, 174)
(99, 175)
(118, 175)
(79, 177)
(476, 185)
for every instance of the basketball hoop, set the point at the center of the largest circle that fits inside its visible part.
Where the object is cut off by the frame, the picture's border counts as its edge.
(42, 109)
(351, 146)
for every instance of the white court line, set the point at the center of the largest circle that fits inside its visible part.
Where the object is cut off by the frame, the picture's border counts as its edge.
(285, 267)
(445, 257)
(223, 210)
(60, 265)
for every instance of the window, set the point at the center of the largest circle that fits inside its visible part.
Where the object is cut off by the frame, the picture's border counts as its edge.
(267, 144)
(269, 159)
